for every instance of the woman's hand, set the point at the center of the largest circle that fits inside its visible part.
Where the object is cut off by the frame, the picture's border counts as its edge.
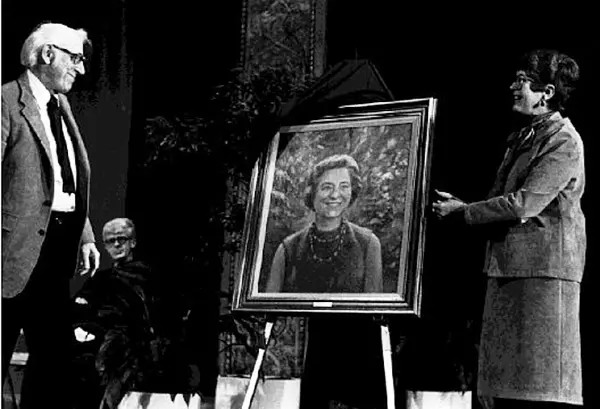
(446, 204)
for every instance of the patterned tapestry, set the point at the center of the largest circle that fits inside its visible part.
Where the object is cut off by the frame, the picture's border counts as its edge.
(275, 33)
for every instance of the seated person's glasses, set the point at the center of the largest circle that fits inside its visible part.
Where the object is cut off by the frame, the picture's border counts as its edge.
(118, 239)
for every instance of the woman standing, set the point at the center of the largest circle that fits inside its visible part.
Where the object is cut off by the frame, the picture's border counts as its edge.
(530, 353)
(331, 255)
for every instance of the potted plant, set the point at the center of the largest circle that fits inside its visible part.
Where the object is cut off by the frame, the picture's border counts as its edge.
(212, 151)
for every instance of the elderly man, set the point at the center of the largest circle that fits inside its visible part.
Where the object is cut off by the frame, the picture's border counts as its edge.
(45, 193)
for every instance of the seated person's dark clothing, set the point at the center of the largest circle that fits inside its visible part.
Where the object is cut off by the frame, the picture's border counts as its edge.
(123, 295)
(119, 306)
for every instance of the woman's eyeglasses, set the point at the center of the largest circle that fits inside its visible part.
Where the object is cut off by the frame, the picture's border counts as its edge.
(522, 79)
(535, 85)
(76, 59)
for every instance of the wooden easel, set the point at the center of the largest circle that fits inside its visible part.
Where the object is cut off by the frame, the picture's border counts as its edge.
(386, 347)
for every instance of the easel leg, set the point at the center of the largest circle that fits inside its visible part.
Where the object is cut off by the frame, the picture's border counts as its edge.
(259, 359)
(386, 347)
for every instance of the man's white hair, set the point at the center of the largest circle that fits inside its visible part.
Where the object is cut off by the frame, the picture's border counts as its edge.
(49, 33)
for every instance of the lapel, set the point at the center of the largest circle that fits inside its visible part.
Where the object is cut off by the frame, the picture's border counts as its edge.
(542, 130)
(31, 113)
(504, 167)
(519, 155)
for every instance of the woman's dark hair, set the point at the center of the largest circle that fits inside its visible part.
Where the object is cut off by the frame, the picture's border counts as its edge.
(551, 67)
(333, 162)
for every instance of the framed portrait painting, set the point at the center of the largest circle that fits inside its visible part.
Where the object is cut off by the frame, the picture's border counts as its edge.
(336, 213)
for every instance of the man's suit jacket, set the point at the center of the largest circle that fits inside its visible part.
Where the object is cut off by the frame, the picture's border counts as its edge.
(28, 183)
(536, 199)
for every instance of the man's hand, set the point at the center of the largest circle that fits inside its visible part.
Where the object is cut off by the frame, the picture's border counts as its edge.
(90, 259)
(446, 204)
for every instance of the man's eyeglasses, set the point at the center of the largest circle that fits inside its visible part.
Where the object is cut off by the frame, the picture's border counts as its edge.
(118, 239)
(76, 59)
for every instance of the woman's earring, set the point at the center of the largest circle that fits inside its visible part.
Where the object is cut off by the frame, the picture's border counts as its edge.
(543, 102)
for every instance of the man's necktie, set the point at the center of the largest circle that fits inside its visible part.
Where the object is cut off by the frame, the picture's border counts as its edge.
(61, 146)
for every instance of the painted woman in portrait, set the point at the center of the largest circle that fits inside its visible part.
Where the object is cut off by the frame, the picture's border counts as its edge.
(331, 255)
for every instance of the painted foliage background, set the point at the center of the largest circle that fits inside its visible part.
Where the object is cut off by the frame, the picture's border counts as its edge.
(382, 153)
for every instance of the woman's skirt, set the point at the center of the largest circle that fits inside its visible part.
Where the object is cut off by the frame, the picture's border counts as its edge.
(530, 344)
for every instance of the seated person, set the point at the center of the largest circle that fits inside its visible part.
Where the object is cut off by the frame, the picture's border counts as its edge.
(126, 274)
(114, 309)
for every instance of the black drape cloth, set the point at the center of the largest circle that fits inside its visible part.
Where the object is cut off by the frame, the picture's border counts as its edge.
(344, 363)
(347, 82)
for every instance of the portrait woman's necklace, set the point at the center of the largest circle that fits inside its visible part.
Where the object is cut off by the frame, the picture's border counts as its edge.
(330, 245)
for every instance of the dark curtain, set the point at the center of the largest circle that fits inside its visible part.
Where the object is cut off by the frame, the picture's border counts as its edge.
(182, 51)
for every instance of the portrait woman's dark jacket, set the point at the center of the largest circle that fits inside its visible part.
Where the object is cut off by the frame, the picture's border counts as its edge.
(356, 269)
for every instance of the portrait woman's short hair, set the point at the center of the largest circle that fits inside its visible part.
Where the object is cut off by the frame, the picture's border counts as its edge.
(551, 67)
(329, 163)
